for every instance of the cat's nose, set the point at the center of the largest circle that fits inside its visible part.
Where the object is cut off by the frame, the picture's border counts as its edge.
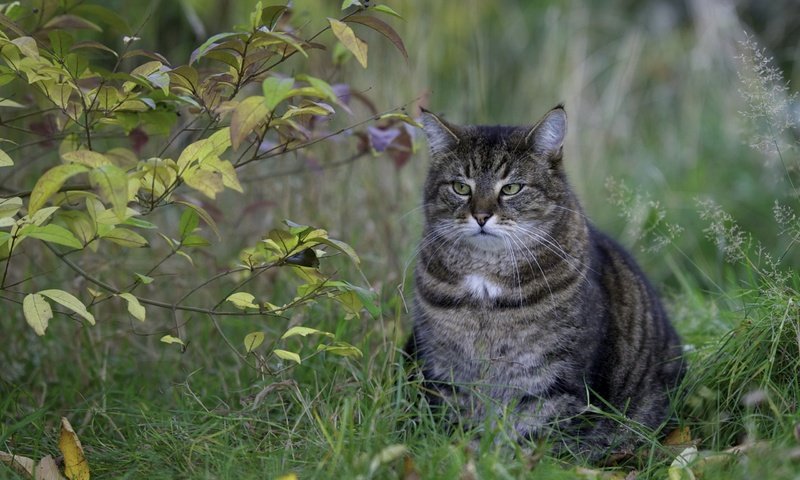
(481, 218)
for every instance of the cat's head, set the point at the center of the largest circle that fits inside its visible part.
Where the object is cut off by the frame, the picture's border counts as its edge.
(492, 185)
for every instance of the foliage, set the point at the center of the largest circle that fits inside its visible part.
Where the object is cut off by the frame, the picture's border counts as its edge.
(123, 138)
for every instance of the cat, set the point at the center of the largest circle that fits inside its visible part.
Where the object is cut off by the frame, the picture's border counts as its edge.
(522, 308)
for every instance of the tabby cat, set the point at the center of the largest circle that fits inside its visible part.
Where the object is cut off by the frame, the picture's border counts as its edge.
(523, 310)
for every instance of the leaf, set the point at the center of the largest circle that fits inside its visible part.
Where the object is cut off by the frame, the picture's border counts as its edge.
(276, 90)
(679, 436)
(50, 182)
(342, 247)
(125, 237)
(47, 469)
(94, 45)
(349, 3)
(287, 355)
(134, 307)
(679, 469)
(253, 340)
(342, 349)
(188, 223)
(53, 234)
(383, 28)
(203, 49)
(75, 465)
(18, 463)
(89, 158)
(113, 184)
(144, 279)
(242, 300)
(204, 215)
(207, 182)
(60, 42)
(388, 10)
(27, 46)
(5, 160)
(37, 312)
(169, 339)
(10, 104)
(69, 301)
(9, 206)
(402, 117)
(304, 331)
(350, 41)
(246, 117)
(71, 22)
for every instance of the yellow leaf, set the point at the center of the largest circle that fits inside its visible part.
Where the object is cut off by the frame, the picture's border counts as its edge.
(27, 45)
(113, 184)
(226, 170)
(253, 340)
(679, 436)
(242, 300)
(125, 237)
(209, 183)
(350, 41)
(50, 182)
(75, 465)
(86, 157)
(246, 117)
(134, 307)
(69, 301)
(287, 355)
(170, 339)
(288, 476)
(304, 331)
(37, 312)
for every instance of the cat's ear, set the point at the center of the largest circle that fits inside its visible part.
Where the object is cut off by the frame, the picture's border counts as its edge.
(546, 138)
(442, 136)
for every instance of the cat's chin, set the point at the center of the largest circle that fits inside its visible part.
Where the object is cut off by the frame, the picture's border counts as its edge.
(486, 241)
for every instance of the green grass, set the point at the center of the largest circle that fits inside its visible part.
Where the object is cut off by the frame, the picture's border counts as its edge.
(657, 111)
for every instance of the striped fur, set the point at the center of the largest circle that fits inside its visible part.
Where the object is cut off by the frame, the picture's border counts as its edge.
(535, 313)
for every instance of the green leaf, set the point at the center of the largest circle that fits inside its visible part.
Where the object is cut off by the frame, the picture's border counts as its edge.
(276, 90)
(9, 206)
(60, 42)
(203, 49)
(69, 301)
(402, 117)
(242, 300)
(113, 184)
(204, 215)
(208, 183)
(125, 237)
(188, 223)
(134, 307)
(383, 28)
(350, 41)
(71, 22)
(37, 312)
(250, 112)
(50, 182)
(89, 158)
(287, 355)
(195, 241)
(144, 279)
(340, 246)
(253, 340)
(388, 10)
(10, 104)
(53, 234)
(169, 339)
(341, 348)
(304, 331)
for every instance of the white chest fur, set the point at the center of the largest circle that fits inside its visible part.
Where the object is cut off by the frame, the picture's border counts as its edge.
(480, 287)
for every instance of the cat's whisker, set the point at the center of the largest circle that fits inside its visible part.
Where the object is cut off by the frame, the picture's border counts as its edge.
(532, 256)
(508, 243)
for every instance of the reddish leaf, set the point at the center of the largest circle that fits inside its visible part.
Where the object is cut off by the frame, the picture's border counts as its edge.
(383, 28)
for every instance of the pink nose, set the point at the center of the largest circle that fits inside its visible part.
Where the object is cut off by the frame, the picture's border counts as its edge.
(482, 218)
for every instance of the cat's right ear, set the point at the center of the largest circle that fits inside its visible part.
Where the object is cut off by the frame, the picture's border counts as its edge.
(442, 136)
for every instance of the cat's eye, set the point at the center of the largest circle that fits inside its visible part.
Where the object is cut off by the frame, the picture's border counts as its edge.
(511, 189)
(461, 188)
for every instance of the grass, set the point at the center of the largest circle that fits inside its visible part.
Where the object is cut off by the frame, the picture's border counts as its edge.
(658, 112)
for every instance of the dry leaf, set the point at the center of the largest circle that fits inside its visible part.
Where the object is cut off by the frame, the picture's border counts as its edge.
(679, 436)
(21, 465)
(410, 469)
(75, 465)
(48, 470)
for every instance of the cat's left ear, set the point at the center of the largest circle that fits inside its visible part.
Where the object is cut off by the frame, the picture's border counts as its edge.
(546, 138)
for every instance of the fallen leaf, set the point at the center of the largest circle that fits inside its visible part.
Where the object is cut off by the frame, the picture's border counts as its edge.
(679, 436)
(75, 465)
(21, 465)
(47, 470)
(410, 470)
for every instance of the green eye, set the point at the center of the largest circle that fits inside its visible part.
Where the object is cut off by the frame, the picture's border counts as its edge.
(511, 189)
(461, 188)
